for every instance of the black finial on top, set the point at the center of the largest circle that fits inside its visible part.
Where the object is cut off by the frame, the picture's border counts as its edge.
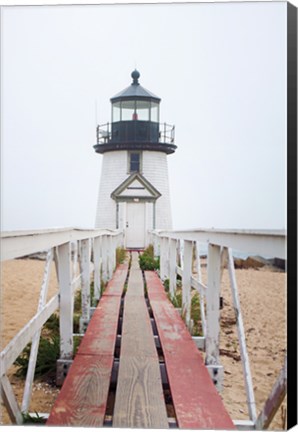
(135, 76)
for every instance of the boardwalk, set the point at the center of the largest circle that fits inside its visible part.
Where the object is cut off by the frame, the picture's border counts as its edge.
(139, 400)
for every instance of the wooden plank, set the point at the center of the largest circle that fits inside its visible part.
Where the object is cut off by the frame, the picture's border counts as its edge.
(82, 400)
(101, 332)
(139, 396)
(137, 335)
(196, 401)
(116, 284)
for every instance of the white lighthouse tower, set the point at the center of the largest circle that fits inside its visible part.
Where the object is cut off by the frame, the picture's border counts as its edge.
(134, 187)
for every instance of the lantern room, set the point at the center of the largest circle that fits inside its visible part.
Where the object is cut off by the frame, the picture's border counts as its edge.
(135, 122)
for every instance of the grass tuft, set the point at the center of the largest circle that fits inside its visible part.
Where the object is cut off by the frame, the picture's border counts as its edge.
(48, 354)
(120, 255)
(147, 260)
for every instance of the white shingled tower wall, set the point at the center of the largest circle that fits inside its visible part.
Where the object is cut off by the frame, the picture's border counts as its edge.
(134, 201)
(114, 172)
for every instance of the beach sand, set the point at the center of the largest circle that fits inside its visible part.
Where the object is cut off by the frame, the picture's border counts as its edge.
(263, 302)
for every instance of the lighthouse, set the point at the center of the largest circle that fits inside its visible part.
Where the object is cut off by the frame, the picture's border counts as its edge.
(134, 186)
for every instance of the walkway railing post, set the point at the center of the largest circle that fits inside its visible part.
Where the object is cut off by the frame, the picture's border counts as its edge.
(156, 247)
(186, 282)
(97, 267)
(36, 337)
(66, 312)
(213, 315)
(201, 294)
(110, 256)
(180, 253)
(251, 404)
(173, 264)
(85, 284)
(104, 255)
(163, 258)
(114, 247)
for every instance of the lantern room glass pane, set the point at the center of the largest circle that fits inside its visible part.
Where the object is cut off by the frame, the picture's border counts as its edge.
(116, 112)
(128, 110)
(154, 112)
(143, 110)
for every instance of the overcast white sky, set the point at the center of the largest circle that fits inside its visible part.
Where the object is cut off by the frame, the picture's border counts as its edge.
(220, 70)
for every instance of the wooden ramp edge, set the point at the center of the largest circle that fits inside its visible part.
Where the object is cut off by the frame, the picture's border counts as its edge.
(82, 400)
(139, 395)
(196, 401)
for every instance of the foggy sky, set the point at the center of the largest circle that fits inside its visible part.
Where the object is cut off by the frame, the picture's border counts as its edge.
(220, 70)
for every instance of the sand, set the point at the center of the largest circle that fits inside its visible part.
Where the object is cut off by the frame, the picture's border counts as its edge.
(263, 301)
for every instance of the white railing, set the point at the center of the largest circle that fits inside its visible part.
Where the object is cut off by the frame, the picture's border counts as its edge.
(78, 255)
(177, 247)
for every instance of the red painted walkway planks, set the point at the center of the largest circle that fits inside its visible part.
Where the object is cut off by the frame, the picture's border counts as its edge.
(82, 400)
(196, 400)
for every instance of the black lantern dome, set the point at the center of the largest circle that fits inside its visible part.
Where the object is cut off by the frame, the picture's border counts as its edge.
(135, 122)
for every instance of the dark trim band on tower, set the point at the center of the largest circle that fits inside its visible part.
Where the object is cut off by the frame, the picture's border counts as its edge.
(114, 146)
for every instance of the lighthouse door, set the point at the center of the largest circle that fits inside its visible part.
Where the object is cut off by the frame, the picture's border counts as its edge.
(135, 225)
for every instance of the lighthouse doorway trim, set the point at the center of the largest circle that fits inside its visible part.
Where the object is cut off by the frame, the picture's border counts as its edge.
(135, 225)
(134, 198)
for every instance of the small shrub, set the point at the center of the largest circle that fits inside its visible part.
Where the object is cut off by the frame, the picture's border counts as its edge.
(76, 343)
(76, 322)
(52, 324)
(176, 299)
(166, 284)
(30, 419)
(195, 307)
(150, 250)
(120, 255)
(195, 314)
(48, 354)
(103, 286)
(147, 260)
(124, 289)
(77, 305)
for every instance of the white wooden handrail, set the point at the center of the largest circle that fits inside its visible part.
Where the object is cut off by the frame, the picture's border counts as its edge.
(58, 244)
(219, 243)
(15, 244)
(272, 243)
(18, 343)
